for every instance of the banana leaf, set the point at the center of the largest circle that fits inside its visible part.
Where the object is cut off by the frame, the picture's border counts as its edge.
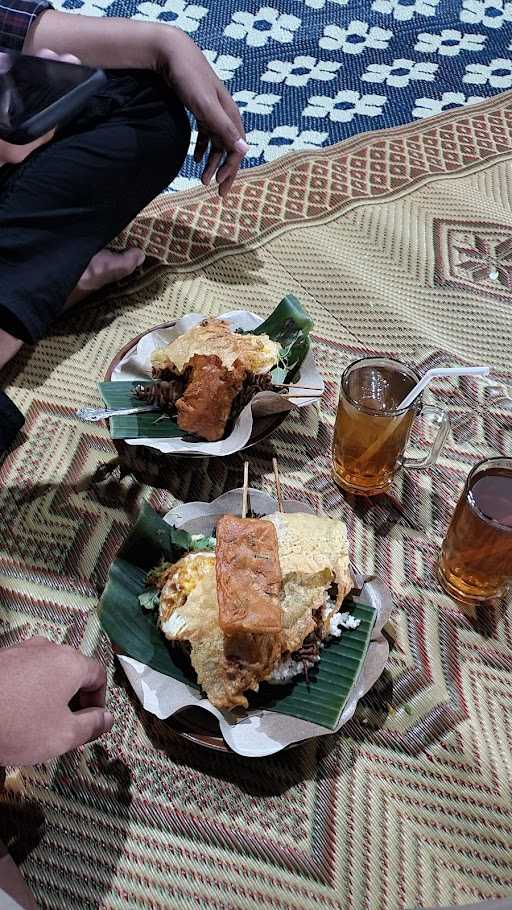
(149, 424)
(134, 631)
(289, 325)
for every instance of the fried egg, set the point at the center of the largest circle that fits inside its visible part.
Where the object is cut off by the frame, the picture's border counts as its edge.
(256, 353)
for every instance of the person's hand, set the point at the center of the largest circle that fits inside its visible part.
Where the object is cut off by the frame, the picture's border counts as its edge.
(38, 681)
(220, 130)
(15, 154)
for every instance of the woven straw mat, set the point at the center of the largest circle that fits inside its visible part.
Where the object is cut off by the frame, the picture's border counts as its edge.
(398, 242)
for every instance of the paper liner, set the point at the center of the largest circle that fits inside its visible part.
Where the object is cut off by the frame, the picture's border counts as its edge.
(260, 732)
(136, 366)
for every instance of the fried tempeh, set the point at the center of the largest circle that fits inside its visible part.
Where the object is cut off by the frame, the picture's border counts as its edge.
(205, 406)
(248, 576)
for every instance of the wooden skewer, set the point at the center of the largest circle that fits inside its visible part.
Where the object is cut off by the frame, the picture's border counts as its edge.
(245, 491)
(293, 394)
(297, 385)
(278, 485)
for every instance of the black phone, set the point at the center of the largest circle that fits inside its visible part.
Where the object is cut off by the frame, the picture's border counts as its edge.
(37, 95)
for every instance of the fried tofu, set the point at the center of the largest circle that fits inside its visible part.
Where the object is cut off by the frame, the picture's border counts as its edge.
(248, 576)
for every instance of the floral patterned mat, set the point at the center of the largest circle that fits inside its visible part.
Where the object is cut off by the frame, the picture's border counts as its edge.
(308, 73)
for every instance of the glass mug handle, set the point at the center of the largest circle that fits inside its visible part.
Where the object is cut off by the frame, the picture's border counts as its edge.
(437, 415)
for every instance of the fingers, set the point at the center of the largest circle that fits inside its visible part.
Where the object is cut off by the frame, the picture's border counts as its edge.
(90, 682)
(89, 724)
(214, 159)
(201, 146)
(85, 676)
(229, 138)
(233, 112)
(227, 173)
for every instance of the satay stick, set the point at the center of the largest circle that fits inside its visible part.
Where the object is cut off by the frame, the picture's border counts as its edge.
(278, 485)
(296, 385)
(245, 491)
(293, 394)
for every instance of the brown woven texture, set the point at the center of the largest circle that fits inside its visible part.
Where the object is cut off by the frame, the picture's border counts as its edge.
(400, 243)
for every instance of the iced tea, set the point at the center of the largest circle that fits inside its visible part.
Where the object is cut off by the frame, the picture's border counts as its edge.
(476, 557)
(371, 434)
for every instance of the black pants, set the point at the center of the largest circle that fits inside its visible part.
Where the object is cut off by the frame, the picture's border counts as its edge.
(72, 197)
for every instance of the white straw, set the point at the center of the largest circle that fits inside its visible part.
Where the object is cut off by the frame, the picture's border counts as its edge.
(440, 374)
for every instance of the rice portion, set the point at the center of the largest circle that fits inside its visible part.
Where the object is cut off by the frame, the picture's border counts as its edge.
(342, 621)
(289, 668)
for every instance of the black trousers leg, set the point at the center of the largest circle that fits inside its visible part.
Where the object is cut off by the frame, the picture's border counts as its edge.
(73, 196)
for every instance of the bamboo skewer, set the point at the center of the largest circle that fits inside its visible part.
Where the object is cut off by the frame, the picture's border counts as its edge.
(245, 490)
(278, 485)
(297, 385)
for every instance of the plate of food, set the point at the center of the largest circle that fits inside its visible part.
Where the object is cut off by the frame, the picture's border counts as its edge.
(245, 627)
(211, 386)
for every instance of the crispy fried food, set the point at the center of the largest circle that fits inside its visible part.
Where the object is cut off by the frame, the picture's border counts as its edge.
(205, 405)
(305, 578)
(183, 585)
(313, 553)
(226, 666)
(248, 576)
(256, 353)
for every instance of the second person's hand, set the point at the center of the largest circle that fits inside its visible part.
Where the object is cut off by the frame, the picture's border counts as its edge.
(221, 134)
(53, 700)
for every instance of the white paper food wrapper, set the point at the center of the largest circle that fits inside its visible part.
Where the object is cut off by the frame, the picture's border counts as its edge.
(136, 366)
(258, 733)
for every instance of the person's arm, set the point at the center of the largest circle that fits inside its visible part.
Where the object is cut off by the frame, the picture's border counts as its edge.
(126, 44)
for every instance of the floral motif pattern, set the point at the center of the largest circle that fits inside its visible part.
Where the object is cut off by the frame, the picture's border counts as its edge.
(355, 38)
(449, 43)
(225, 65)
(488, 259)
(491, 13)
(400, 72)
(300, 71)
(281, 140)
(251, 103)
(427, 107)
(403, 10)
(344, 106)
(186, 16)
(320, 4)
(258, 28)
(497, 73)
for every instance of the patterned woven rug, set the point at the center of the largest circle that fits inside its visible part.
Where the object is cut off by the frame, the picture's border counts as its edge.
(399, 242)
(308, 73)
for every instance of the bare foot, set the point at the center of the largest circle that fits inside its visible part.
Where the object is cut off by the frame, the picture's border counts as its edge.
(105, 268)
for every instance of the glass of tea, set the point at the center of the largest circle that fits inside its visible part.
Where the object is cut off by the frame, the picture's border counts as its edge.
(476, 556)
(372, 431)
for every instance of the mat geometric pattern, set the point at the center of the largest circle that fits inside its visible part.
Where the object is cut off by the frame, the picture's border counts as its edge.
(409, 805)
(308, 73)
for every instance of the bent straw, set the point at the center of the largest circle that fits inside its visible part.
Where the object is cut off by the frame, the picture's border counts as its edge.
(440, 373)
(437, 373)
(278, 485)
(245, 490)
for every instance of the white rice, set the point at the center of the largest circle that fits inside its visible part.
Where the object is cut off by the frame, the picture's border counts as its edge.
(342, 621)
(288, 669)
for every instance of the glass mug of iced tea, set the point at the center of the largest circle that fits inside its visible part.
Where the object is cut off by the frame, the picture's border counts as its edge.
(372, 432)
(476, 556)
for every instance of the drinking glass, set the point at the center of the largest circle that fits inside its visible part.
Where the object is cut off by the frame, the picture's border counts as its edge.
(372, 431)
(476, 557)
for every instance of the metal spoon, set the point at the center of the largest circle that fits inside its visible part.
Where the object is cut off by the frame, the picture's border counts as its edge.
(92, 415)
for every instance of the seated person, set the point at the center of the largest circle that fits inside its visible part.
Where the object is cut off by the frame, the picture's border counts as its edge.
(66, 196)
